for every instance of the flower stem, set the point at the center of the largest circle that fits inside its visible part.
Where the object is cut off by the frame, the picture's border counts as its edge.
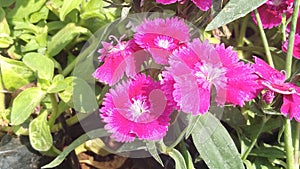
(240, 40)
(289, 55)
(264, 39)
(296, 145)
(264, 120)
(184, 153)
(288, 144)
(288, 68)
(54, 109)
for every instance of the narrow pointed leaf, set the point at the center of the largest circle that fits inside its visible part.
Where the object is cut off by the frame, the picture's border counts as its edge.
(233, 10)
(215, 145)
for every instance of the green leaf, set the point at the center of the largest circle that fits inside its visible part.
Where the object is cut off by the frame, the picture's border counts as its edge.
(67, 7)
(62, 38)
(84, 98)
(178, 158)
(153, 151)
(4, 28)
(215, 144)
(6, 3)
(79, 95)
(233, 10)
(5, 40)
(57, 86)
(43, 65)
(39, 133)
(14, 73)
(191, 125)
(23, 8)
(24, 104)
(40, 15)
(85, 137)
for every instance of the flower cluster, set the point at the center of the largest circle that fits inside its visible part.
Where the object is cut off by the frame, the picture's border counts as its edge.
(139, 103)
(204, 5)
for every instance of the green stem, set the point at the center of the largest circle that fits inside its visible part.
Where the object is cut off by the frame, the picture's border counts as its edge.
(289, 55)
(262, 125)
(283, 27)
(54, 109)
(242, 33)
(70, 67)
(2, 96)
(264, 39)
(288, 68)
(296, 145)
(288, 144)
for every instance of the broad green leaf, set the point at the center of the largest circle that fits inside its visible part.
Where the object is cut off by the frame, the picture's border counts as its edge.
(178, 158)
(79, 95)
(23, 8)
(153, 151)
(67, 7)
(4, 28)
(57, 86)
(233, 10)
(6, 3)
(62, 38)
(84, 98)
(83, 138)
(67, 94)
(39, 133)
(43, 65)
(15, 74)
(24, 104)
(215, 144)
(5, 40)
(40, 15)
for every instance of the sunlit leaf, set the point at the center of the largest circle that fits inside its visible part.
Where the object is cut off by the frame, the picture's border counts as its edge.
(24, 104)
(15, 74)
(43, 65)
(39, 133)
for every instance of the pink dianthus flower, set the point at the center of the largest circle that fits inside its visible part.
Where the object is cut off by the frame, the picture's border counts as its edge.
(296, 49)
(271, 12)
(125, 57)
(199, 67)
(273, 80)
(204, 5)
(137, 108)
(161, 36)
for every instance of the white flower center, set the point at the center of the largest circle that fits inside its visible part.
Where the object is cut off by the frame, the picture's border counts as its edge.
(137, 108)
(164, 42)
(213, 74)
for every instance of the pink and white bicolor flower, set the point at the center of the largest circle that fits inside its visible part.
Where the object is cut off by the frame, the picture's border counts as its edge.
(137, 108)
(126, 57)
(161, 37)
(199, 67)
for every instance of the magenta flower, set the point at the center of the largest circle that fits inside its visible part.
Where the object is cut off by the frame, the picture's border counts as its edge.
(271, 12)
(199, 67)
(296, 49)
(126, 57)
(273, 80)
(161, 36)
(136, 108)
(204, 5)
